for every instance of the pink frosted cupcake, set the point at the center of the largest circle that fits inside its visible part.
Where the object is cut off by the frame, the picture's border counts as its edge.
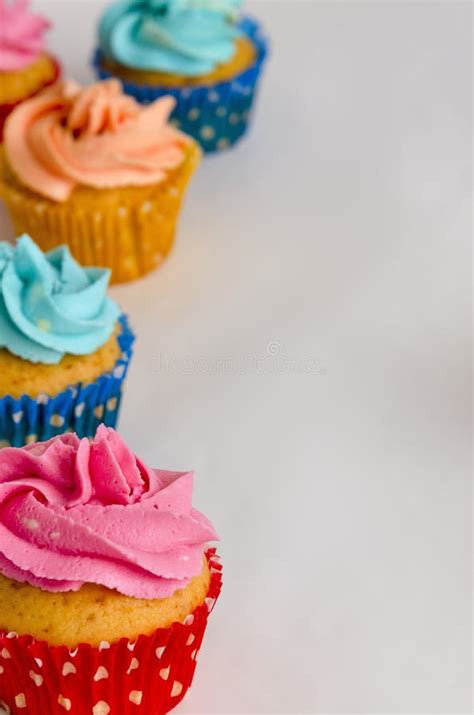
(106, 580)
(25, 65)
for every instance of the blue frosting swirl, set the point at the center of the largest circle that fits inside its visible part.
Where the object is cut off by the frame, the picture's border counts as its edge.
(50, 305)
(184, 37)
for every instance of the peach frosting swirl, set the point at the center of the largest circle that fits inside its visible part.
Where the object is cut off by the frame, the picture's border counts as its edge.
(75, 511)
(94, 136)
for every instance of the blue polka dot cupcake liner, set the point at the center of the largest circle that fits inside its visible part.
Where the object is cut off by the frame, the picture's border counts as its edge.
(218, 115)
(80, 408)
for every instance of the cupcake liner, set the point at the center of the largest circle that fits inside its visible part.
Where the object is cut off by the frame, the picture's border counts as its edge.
(80, 408)
(149, 676)
(129, 230)
(216, 115)
(7, 107)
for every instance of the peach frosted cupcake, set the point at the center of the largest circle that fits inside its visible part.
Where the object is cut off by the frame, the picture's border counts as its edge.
(25, 65)
(93, 169)
(65, 347)
(106, 580)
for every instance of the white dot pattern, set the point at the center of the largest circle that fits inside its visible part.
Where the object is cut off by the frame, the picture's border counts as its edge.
(68, 668)
(64, 702)
(164, 679)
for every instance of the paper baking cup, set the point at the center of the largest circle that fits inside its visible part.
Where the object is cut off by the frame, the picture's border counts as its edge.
(218, 115)
(7, 107)
(129, 230)
(149, 676)
(80, 408)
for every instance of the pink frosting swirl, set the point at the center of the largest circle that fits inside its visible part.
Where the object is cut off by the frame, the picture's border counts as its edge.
(78, 511)
(21, 35)
(95, 136)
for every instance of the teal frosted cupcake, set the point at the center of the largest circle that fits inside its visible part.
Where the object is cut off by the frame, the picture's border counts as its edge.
(65, 347)
(199, 51)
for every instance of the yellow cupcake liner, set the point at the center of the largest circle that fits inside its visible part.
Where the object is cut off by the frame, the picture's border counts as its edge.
(129, 230)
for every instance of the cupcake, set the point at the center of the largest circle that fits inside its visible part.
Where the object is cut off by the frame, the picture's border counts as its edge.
(199, 51)
(25, 66)
(64, 346)
(106, 580)
(93, 169)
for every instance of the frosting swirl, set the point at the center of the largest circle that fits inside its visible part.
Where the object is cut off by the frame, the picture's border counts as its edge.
(21, 35)
(95, 136)
(50, 305)
(78, 511)
(185, 37)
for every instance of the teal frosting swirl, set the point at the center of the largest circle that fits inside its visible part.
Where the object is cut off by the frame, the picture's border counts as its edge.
(184, 37)
(50, 305)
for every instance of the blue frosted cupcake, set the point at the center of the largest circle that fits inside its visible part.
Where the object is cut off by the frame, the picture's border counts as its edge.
(198, 51)
(64, 346)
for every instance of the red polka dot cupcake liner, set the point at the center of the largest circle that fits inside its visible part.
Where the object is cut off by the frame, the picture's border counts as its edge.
(149, 676)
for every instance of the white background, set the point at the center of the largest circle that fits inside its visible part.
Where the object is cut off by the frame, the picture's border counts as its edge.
(339, 231)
